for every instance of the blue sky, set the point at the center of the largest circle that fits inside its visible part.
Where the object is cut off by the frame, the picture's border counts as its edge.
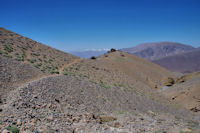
(73, 25)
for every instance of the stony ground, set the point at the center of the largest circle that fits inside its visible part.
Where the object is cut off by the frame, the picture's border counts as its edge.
(68, 104)
(14, 73)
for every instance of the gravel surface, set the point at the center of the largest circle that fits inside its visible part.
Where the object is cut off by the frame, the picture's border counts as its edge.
(68, 104)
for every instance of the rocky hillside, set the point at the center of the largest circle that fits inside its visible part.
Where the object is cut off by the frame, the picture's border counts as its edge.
(14, 73)
(186, 92)
(68, 104)
(184, 63)
(155, 51)
(22, 49)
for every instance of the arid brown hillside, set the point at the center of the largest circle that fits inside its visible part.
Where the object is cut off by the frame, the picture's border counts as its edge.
(137, 68)
(186, 92)
(23, 49)
(184, 63)
(158, 50)
(119, 69)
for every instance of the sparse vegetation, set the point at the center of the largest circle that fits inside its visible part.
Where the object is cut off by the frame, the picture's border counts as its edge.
(50, 60)
(13, 129)
(19, 58)
(112, 50)
(81, 89)
(104, 119)
(102, 84)
(93, 58)
(117, 85)
(64, 72)
(8, 48)
(106, 55)
(127, 89)
(193, 123)
(43, 69)
(1, 52)
(38, 65)
(31, 60)
(5, 54)
(23, 54)
(35, 54)
(54, 71)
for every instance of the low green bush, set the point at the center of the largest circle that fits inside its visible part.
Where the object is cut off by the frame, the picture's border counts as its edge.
(13, 129)
(8, 48)
(31, 60)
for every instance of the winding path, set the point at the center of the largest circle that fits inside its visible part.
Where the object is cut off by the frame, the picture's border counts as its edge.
(46, 76)
(68, 65)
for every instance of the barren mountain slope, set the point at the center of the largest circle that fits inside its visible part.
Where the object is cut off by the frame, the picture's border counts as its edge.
(154, 51)
(123, 70)
(137, 68)
(14, 73)
(68, 104)
(185, 63)
(20, 48)
(187, 92)
(117, 67)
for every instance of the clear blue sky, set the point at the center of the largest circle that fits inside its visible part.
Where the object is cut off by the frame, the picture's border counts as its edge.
(72, 25)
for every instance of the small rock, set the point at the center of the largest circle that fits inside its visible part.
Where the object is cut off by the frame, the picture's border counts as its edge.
(151, 113)
(37, 131)
(57, 100)
(117, 125)
(169, 81)
(50, 117)
(49, 105)
(35, 96)
(1, 101)
(19, 122)
(33, 121)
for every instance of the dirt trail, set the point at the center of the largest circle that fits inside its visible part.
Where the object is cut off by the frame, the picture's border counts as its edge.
(34, 80)
(46, 76)
(68, 65)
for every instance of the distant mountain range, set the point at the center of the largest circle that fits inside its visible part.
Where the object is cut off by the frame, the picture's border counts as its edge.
(155, 51)
(86, 54)
(173, 56)
(185, 63)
